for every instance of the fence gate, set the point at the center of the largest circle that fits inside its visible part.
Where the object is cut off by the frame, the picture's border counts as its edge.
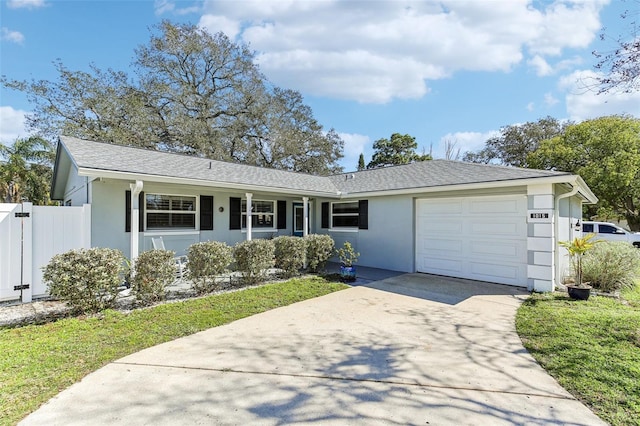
(29, 237)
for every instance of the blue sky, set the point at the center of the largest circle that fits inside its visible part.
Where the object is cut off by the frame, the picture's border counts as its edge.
(447, 70)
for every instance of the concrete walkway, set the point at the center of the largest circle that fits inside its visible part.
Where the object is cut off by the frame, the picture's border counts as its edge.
(411, 349)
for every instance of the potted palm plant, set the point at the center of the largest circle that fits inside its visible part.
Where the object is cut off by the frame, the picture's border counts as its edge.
(348, 256)
(577, 249)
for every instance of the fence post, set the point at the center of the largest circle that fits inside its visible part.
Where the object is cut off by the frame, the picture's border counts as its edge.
(26, 275)
(86, 226)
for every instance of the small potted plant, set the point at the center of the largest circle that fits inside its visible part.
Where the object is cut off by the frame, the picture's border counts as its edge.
(348, 256)
(577, 248)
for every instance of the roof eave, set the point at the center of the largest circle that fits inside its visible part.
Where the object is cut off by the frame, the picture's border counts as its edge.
(475, 185)
(112, 174)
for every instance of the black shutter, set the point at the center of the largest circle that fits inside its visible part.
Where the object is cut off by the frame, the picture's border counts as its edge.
(325, 215)
(206, 213)
(127, 211)
(282, 214)
(235, 213)
(363, 214)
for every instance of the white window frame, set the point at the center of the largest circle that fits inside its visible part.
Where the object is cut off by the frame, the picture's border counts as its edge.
(343, 228)
(195, 212)
(254, 227)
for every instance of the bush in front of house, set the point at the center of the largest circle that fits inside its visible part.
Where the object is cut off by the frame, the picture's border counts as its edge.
(611, 265)
(253, 258)
(87, 279)
(207, 260)
(319, 250)
(290, 253)
(153, 271)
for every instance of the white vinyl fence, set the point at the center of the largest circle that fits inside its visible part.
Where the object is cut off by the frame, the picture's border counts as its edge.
(29, 237)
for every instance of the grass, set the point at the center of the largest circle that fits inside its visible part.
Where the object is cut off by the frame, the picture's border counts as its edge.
(37, 362)
(592, 348)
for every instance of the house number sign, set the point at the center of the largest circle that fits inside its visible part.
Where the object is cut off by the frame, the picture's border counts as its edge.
(539, 216)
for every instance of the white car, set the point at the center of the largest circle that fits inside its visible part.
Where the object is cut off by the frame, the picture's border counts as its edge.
(610, 232)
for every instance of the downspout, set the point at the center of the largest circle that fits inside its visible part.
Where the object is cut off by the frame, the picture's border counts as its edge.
(556, 219)
(136, 189)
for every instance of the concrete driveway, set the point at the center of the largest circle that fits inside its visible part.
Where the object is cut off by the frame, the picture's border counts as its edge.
(412, 349)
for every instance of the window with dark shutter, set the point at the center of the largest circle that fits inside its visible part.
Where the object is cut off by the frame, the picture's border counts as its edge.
(235, 213)
(325, 215)
(127, 211)
(206, 213)
(363, 214)
(282, 214)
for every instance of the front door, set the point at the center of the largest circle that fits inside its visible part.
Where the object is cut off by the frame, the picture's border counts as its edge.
(298, 219)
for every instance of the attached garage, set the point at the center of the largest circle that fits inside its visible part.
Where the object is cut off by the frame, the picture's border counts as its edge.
(481, 238)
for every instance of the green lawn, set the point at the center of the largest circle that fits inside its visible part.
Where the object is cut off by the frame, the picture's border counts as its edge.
(37, 362)
(592, 348)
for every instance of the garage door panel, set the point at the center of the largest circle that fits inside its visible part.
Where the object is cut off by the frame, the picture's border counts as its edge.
(502, 207)
(492, 229)
(512, 251)
(434, 245)
(440, 227)
(492, 272)
(446, 207)
(486, 240)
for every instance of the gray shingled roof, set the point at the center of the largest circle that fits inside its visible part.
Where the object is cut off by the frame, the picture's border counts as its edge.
(434, 173)
(427, 174)
(104, 156)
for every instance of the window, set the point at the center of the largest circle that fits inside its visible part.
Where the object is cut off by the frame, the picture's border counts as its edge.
(587, 227)
(262, 214)
(607, 229)
(170, 211)
(345, 215)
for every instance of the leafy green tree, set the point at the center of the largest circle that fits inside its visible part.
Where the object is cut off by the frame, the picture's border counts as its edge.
(25, 170)
(606, 152)
(193, 92)
(361, 165)
(515, 142)
(399, 149)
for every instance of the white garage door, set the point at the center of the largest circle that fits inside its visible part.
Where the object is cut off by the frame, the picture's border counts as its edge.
(480, 238)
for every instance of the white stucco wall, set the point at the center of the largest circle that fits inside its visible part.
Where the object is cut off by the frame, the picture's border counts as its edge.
(108, 217)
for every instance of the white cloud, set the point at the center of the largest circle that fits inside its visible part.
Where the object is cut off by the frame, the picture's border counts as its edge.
(354, 145)
(541, 66)
(27, 4)
(530, 106)
(378, 51)
(466, 141)
(583, 102)
(166, 6)
(215, 24)
(12, 36)
(549, 99)
(12, 124)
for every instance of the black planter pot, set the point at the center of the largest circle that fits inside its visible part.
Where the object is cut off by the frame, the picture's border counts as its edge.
(348, 273)
(579, 293)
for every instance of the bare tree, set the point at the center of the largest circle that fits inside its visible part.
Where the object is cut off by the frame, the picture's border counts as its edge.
(451, 149)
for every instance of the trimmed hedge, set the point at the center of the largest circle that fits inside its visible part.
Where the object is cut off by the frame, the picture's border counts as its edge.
(87, 279)
(153, 271)
(207, 260)
(319, 251)
(290, 253)
(253, 258)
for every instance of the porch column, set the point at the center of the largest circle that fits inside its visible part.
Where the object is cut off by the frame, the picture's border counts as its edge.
(541, 241)
(305, 214)
(136, 189)
(249, 213)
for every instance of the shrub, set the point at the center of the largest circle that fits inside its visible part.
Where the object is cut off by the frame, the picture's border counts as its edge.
(207, 260)
(87, 279)
(290, 254)
(611, 265)
(153, 271)
(319, 250)
(253, 258)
